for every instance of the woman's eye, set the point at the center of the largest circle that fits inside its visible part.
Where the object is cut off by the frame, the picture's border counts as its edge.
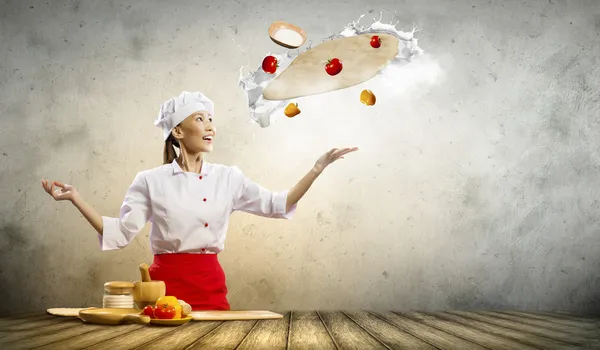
(210, 119)
(199, 119)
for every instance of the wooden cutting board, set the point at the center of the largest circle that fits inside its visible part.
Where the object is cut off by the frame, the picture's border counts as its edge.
(234, 315)
(100, 315)
(113, 316)
(196, 315)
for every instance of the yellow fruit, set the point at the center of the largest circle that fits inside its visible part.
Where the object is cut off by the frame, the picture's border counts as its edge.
(170, 301)
(291, 110)
(367, 97)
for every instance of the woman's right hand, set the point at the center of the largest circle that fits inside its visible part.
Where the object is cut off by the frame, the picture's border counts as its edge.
(61, 192)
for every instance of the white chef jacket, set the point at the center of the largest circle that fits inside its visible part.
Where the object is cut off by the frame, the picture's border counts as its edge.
(189, 212)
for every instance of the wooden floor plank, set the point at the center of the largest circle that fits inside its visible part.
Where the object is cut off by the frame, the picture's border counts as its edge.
(568, 328)
(498, 329)
(40, 331)
(85, 340)
(54, 337)
(307, 332)
(386, 333)
(25, 314)
(133, 339)
(484, 339)
(516, 335)
(268, 334)
(566, 315)
(561, 321)
(347, 334)
(8, 322)
(36, 322)
(431, 335)
(22, 315)
(226, 336)
(556, 334)
(182, 337)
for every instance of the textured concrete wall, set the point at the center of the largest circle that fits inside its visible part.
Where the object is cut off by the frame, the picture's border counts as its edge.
(479, 192)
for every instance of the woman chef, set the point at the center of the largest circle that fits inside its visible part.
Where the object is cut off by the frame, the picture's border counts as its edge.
(189, 202)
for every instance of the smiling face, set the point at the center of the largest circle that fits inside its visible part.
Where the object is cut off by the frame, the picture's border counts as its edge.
(196, 133)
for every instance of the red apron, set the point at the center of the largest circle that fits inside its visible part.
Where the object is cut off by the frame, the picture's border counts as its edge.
(197, 279)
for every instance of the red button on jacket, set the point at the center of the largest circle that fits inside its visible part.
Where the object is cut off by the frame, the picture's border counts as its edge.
(206, 225)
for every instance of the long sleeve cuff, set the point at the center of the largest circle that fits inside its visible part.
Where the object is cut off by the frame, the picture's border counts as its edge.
(111, 238)
(280, 206)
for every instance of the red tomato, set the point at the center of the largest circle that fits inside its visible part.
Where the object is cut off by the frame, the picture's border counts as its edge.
(333, 66)
(270, 64)
(149, 311)
(375, 41)
(165, 312)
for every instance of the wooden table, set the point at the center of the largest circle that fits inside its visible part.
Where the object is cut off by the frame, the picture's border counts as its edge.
(316, 330)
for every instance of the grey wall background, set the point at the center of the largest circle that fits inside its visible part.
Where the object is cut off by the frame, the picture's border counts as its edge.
(479, 192)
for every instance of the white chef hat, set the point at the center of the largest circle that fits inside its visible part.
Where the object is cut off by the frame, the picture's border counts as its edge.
(176, 109)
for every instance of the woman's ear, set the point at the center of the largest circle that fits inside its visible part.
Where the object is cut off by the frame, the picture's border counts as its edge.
(177, 132)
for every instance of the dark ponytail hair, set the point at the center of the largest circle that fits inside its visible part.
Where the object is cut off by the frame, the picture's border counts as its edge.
(169, 154)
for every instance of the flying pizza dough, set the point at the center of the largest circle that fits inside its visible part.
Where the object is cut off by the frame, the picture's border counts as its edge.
(306, 74)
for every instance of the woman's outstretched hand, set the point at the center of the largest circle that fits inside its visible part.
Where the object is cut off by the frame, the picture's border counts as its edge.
(331, 156)
(59, 191)
(299, 190)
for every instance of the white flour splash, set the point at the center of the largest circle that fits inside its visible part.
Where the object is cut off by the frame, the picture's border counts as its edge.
(263, 111)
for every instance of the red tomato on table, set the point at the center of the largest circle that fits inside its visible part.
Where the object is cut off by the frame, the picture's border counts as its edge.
(149, 311)
(165, 312)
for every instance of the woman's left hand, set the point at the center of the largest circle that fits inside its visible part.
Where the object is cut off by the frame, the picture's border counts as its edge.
(332, 156)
